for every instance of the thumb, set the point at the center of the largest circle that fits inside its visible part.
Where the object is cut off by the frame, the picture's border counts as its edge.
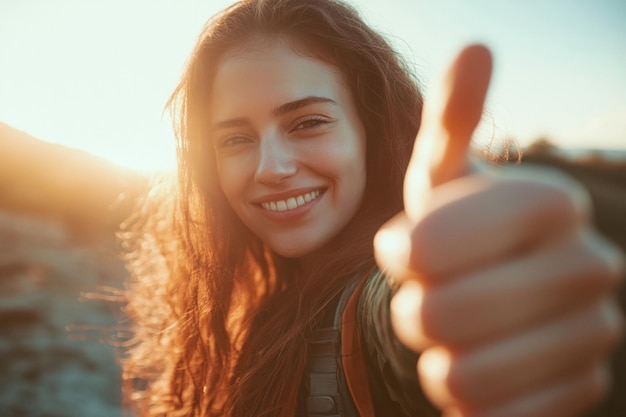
(449, 118)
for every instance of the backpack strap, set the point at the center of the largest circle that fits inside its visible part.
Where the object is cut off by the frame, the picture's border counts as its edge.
(328, 392)
(338, 379)
(353, 362)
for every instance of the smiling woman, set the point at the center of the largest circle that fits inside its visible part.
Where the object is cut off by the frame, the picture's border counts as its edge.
(278, 144)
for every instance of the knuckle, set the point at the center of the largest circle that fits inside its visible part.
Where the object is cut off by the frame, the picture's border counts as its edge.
(434, 317)
(596, 384)
(606, 260)
(424, 244)
(433, 368)
(406, 316)
(562, 197)
(567, 198)
(611, 326)
(459, 382)
(572, 194)
(392, 248)
(450, 378)
(603, 262)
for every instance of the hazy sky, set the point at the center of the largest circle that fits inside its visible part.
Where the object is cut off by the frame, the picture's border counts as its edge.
(95, 74)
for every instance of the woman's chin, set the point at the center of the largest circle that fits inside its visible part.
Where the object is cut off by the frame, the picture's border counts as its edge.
(292, 249)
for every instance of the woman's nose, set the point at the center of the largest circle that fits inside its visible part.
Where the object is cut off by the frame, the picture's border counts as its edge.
(276, 161)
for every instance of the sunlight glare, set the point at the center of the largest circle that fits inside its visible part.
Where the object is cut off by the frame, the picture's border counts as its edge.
(95, 75)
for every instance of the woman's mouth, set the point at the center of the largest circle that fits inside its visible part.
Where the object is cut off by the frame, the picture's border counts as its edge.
(291, 203)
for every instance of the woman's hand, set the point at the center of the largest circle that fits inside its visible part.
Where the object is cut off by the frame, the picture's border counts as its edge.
(503, 284)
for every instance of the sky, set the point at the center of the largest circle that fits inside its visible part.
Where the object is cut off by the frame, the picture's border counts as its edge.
(95, 75)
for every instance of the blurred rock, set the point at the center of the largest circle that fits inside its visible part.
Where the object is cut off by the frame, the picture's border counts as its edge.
(54, 351)
(59, 211)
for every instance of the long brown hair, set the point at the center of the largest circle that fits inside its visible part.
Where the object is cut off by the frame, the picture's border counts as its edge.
(220, 322)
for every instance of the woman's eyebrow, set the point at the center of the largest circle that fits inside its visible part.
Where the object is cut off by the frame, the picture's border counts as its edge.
(282, 109)
(238, 122)
(295, 105)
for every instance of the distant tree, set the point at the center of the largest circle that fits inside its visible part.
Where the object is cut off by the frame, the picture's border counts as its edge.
(541, 144)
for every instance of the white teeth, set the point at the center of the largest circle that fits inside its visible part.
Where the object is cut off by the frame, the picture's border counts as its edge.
(291, 203)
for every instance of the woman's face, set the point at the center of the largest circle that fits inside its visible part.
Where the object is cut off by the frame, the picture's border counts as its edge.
(289, 146)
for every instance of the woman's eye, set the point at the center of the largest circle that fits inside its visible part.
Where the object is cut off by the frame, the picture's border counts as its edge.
(311, 123)
(231, 141)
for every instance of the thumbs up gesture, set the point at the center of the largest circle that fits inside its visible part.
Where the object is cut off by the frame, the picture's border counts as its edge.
(502, 284)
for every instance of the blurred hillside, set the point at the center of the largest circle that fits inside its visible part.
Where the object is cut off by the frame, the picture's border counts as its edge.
(87, 193)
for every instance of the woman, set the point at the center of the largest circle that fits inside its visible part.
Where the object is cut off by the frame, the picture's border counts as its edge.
(295, 128)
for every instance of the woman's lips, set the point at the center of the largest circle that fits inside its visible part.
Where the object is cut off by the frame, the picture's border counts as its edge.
(291, 203)
(290, 206)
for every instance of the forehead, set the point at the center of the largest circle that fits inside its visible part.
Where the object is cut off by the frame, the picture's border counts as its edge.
(269, 74)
